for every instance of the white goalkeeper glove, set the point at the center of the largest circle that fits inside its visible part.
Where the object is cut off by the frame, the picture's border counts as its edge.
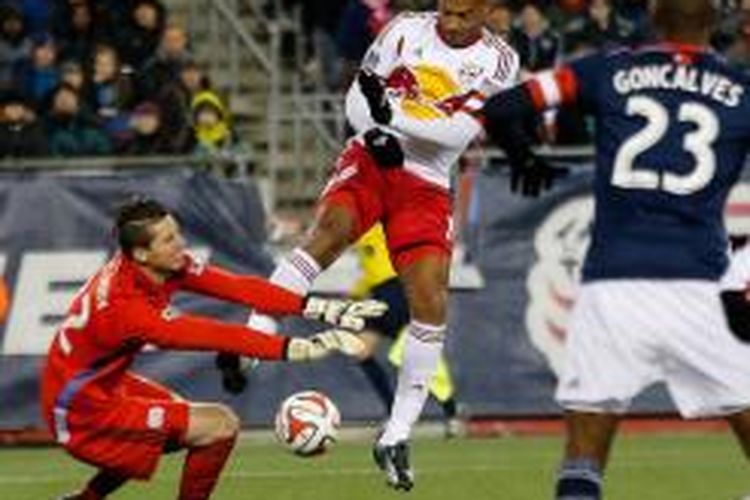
(324, 343)
(349, 314)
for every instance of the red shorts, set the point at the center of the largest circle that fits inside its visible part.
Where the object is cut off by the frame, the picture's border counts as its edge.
(416, 214)
(127, 434)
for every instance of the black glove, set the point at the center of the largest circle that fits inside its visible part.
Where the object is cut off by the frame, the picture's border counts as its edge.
(532, 175)
(233, 378)
(374, 91)
(384, 148)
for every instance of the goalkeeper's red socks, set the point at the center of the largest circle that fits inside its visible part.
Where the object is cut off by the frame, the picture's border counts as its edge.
(203, 465)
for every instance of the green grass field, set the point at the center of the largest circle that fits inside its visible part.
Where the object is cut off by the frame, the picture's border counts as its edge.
(653, 467)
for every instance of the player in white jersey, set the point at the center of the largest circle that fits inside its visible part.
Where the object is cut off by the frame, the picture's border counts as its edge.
(412, 107)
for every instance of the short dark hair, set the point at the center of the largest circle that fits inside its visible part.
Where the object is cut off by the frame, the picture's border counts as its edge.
(133, 221)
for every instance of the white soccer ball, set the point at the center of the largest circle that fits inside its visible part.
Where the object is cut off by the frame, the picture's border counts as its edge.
(307, 423)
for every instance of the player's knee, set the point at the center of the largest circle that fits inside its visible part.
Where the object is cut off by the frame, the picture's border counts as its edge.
(428, 304)
(330, 236)
(227, 423)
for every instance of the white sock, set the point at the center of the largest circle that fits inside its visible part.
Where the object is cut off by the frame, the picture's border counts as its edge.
(295, 272)
(422, 349)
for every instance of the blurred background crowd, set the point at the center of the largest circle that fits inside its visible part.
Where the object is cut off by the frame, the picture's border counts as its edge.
(102, 77)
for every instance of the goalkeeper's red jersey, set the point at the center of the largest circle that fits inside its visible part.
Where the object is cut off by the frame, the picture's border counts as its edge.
(120, 310)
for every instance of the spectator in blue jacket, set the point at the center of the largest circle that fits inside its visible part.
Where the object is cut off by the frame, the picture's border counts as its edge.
(37, 76)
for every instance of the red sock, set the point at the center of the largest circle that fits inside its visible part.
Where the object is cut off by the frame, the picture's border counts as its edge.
(202, 468)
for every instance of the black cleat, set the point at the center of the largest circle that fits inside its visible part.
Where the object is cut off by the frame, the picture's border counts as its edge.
(394, 461)
(233, 377)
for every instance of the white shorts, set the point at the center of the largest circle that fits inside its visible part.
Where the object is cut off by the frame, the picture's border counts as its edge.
(628, 334)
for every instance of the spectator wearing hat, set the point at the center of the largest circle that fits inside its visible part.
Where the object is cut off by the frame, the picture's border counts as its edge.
(37, 76)
(214, 134)
(148, 136)
(21, 133)
(70, 131)
(15, 44)
(211, 123)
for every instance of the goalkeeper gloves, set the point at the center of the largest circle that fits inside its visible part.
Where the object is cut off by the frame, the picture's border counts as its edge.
(344, 313)
(323, 344)
(374, 91)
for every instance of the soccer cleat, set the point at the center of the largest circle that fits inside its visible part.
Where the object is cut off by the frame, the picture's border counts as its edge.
(234, 371)
(394, 461)
(453, 427)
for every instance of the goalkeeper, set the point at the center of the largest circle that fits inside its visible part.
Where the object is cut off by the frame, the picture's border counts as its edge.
(107, 416)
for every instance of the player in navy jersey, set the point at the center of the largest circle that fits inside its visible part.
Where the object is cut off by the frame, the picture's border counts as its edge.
(673, 130)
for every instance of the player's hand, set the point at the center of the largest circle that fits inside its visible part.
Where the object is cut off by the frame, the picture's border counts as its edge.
(323, 344)
(384, 148)
(344, 313)
(534, 176)
(374, 91)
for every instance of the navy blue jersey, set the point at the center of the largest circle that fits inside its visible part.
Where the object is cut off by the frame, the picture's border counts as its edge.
(673, 129)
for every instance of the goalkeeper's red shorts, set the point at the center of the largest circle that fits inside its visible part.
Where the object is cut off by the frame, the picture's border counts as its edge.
(416, 214)
(128, 434)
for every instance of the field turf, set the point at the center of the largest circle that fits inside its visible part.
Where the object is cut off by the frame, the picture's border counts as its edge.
(644, 467)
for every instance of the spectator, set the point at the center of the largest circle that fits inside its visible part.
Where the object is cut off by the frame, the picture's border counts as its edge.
(360, 23)
(212, 126)
(21, 133)
(729, 34)
(166, 64)
(139, 39)
(70, 132)
(537, 44)
(175, 100)
(148, 135)
(323, 17)
(39, 75)
(75, 29)
(15, 44)
(72, 73)
(112, 89)
(601, 28)
(499, 18)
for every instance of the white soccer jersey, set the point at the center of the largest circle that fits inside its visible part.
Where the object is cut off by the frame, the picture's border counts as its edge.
(737, 277)
(433, 90)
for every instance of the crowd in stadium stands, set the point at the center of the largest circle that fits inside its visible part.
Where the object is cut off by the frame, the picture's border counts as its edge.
(90, 77)
(543, 32)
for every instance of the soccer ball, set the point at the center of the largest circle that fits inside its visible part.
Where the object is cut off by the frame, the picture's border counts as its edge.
(307, 423)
